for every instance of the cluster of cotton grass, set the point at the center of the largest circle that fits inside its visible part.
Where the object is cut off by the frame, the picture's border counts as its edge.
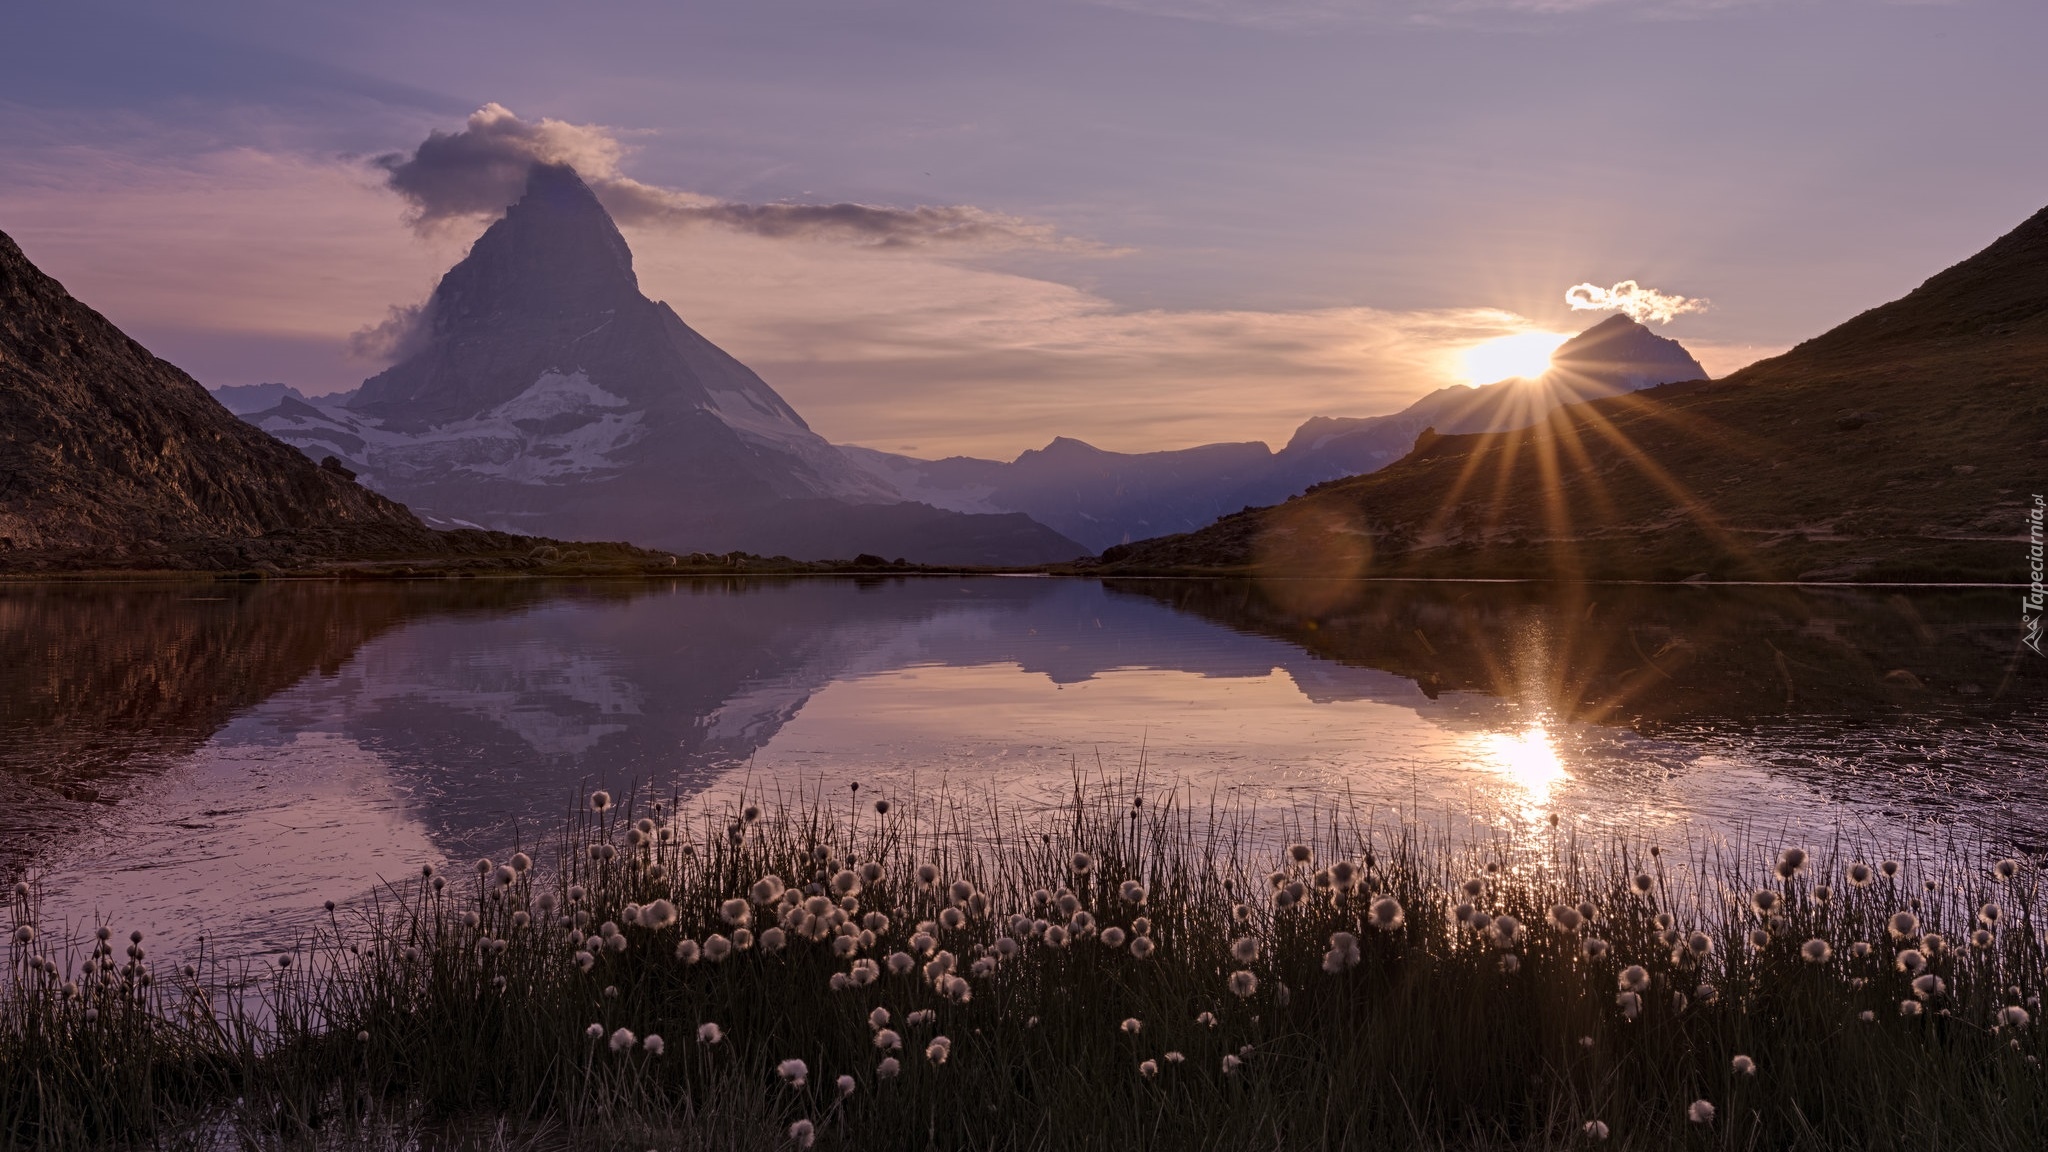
(1124, 971)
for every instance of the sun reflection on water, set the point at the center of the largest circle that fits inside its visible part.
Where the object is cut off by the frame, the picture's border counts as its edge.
(1527, 758)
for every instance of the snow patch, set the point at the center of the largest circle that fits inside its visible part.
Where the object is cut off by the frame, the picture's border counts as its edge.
(562, 428)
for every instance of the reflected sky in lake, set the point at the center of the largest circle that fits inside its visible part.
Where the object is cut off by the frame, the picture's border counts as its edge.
(231, 756)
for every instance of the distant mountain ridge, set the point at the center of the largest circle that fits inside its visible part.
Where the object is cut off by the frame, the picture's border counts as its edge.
(106, 449)
(1108, 498)
(1903, 444)
(543, 393)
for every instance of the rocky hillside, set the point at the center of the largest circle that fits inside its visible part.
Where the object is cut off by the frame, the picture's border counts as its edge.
(104, 448)
(1903, 444)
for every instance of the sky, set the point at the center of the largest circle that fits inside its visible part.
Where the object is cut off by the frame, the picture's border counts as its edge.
(1143, 223)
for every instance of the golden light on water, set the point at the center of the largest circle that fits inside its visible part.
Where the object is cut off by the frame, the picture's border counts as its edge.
(1527, 758)
(1524, 354)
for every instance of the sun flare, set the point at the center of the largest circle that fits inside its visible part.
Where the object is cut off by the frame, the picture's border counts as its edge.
(1524, 354)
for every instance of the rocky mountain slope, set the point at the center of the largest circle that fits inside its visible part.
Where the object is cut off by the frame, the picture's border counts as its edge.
(1107, 498)
(1903, 444)
(106, 449)
(541, 392)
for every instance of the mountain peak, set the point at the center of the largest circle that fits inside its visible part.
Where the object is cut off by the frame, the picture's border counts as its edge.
(1624, 354)
(549, 273)
(556, 230)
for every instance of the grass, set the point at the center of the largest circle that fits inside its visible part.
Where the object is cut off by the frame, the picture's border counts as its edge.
(1466, 1011)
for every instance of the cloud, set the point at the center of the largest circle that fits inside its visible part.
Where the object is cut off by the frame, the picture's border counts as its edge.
(893, 350)
(481, 168)
(1315, 15)
(1643, 305)
(402, 332)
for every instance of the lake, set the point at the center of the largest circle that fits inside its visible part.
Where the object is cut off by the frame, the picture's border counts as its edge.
(220, 758)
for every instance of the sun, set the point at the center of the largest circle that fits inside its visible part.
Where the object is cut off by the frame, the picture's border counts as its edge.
(1524, 354)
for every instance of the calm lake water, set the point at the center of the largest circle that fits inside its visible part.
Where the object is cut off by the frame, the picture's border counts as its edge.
(222, 758)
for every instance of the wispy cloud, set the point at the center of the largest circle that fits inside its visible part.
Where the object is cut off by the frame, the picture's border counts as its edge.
(479, 169)
(1643, 305)
(1298, 15)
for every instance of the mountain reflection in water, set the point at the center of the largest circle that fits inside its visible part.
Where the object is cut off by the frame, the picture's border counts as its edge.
(189, 753)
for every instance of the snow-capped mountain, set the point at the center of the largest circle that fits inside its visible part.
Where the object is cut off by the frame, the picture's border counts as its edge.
(542, 393)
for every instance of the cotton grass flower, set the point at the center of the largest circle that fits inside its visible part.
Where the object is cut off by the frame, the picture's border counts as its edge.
(1630, 1003)
(1206, 1019)
(794, 1073)
(600, 800)
(938, 1050)
(1148, 1068)
(1743, 1066)
(1081, 863)
(595, 1031)
(1634, 978)
(2013, 1016)
(921, 1017)
(1132, 892)
(1594, 948)
(1565, 917)
(1903, 926)
(888, 1068)
(1790, 862)
(1343, 953)
(1700, 1112)
(1909, 1008)
(1505, 931)
(1595, 1130)
(1132, 1026)
(1142, 948)
(1243, 984)
(1244, 949)
(803, 1133)
(2006, 869)
(1231, 1064)
(1764, 902)
(1386, 914)
(887, 1040)
(1113, 937)
(708, 1033)
(1910, 961)
(1859, 875)
(1816, 951)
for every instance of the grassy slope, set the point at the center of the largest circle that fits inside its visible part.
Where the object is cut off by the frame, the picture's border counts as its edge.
(1903, 444)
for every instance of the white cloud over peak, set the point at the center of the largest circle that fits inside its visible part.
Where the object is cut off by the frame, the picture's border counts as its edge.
(479, 169)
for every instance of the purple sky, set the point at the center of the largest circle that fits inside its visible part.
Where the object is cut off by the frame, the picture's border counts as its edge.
(1193, 219)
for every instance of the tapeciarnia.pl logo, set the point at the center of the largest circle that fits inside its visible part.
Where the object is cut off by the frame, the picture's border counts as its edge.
(2032, 603)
